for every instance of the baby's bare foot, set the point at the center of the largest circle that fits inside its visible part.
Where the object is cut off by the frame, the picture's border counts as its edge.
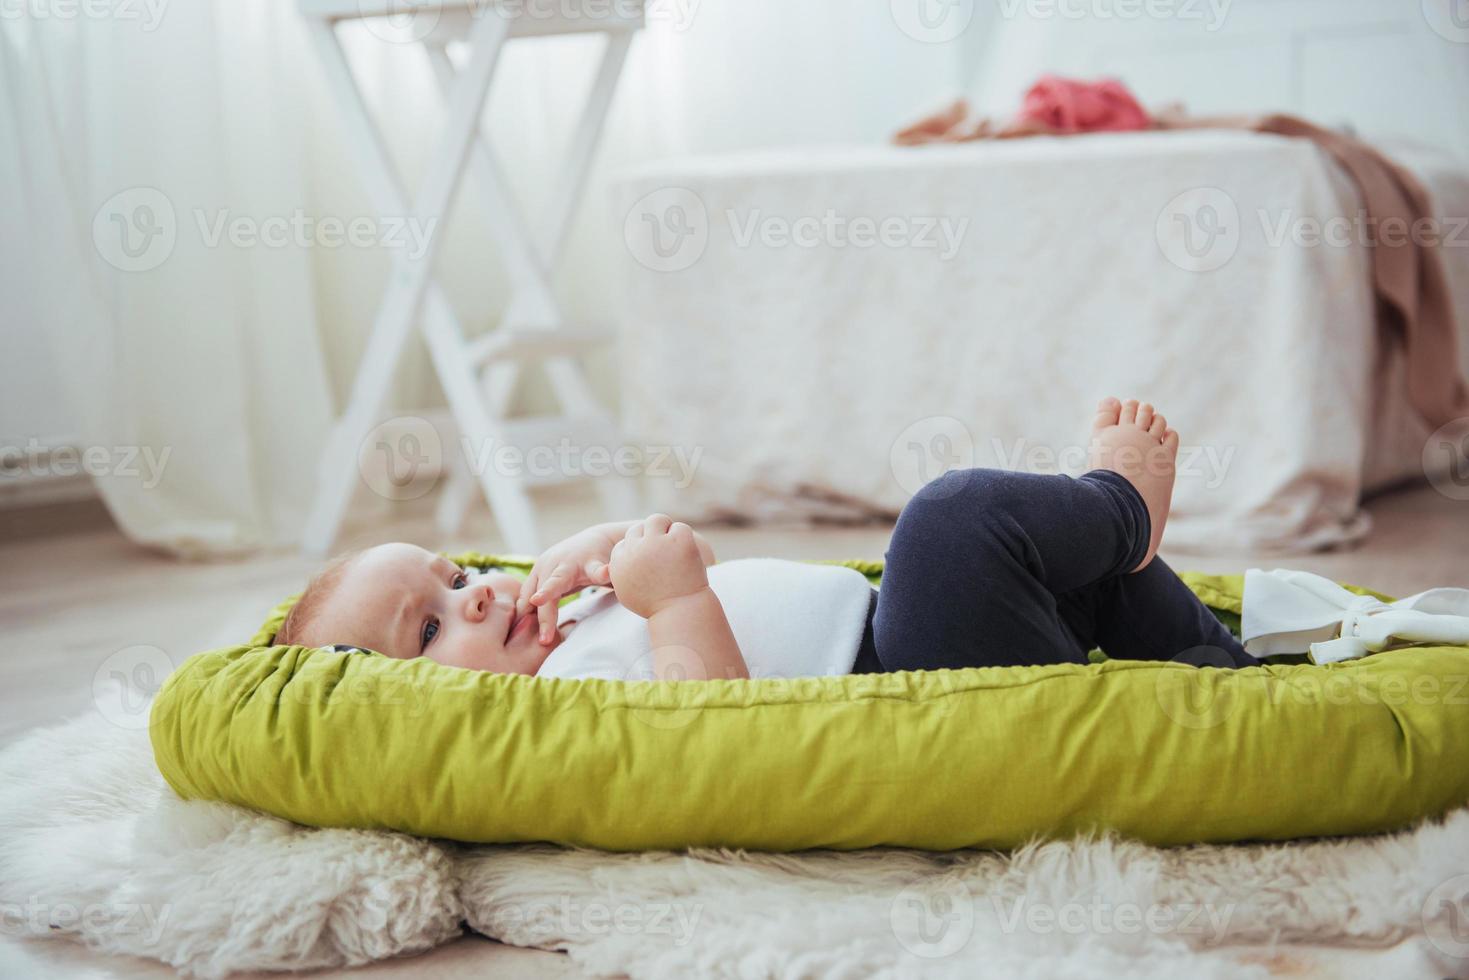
(1134, 441)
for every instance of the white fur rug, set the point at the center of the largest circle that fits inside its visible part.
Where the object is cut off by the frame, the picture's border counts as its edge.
(94, 846)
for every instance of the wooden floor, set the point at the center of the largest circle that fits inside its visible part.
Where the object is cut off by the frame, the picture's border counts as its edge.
(71, 599)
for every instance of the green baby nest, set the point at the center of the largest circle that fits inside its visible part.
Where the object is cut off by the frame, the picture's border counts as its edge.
(983, 757)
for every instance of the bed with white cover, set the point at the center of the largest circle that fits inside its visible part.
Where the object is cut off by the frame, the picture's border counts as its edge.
(805, 360)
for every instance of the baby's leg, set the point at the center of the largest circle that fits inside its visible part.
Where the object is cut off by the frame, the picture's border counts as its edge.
(1152, 615)
(978, 557)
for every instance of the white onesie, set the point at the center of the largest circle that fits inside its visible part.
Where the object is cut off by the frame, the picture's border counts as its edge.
(790, 619)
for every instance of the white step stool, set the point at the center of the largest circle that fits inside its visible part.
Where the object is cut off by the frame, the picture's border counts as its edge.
(478, 377)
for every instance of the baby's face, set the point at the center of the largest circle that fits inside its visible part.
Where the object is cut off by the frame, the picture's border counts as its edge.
(405, 602)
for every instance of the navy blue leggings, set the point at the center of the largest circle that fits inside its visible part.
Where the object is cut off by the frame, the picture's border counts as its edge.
(992, 568)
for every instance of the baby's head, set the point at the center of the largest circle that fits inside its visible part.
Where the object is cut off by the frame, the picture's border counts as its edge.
(405, 602)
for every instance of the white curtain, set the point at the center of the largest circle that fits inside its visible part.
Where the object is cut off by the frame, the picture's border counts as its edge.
(173, 124)
(192, 366)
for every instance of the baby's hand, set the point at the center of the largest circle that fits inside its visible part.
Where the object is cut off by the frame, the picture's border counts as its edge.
(575, 563)
(656, 563)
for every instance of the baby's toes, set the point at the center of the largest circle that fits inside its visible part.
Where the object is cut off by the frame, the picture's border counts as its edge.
(1107, 410)
(1170, 441)
(1129, 412)
(1159, 426)
(1144, 415)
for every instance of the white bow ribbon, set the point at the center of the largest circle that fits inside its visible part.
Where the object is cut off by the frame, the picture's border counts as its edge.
(1298, 612)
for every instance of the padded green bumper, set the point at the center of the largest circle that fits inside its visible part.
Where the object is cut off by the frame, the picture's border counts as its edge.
(988, 757)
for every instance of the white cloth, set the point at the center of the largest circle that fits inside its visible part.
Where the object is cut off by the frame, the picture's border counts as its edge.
(1297, 612)
(860, 365)
(790, 619)
(192, 361)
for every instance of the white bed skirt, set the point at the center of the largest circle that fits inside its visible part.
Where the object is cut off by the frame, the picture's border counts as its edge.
(825, 327)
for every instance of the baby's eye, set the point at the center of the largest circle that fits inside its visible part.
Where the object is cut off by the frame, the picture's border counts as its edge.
(430, 630)
(460, 581)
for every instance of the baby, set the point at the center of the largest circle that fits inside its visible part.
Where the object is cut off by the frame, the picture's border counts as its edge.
(984, 568)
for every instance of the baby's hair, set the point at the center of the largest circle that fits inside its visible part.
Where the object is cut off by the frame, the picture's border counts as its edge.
(296, 629)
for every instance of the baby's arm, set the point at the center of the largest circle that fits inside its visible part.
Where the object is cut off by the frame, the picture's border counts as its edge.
(692, 641)
(658, 572)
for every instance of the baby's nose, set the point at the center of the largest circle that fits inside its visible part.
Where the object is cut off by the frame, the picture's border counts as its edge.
(478, 602)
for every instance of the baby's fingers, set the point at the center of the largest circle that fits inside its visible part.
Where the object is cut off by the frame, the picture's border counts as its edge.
(548, 599)
(528, 588)
(547, 616)
(658, 523)
(560, 582)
